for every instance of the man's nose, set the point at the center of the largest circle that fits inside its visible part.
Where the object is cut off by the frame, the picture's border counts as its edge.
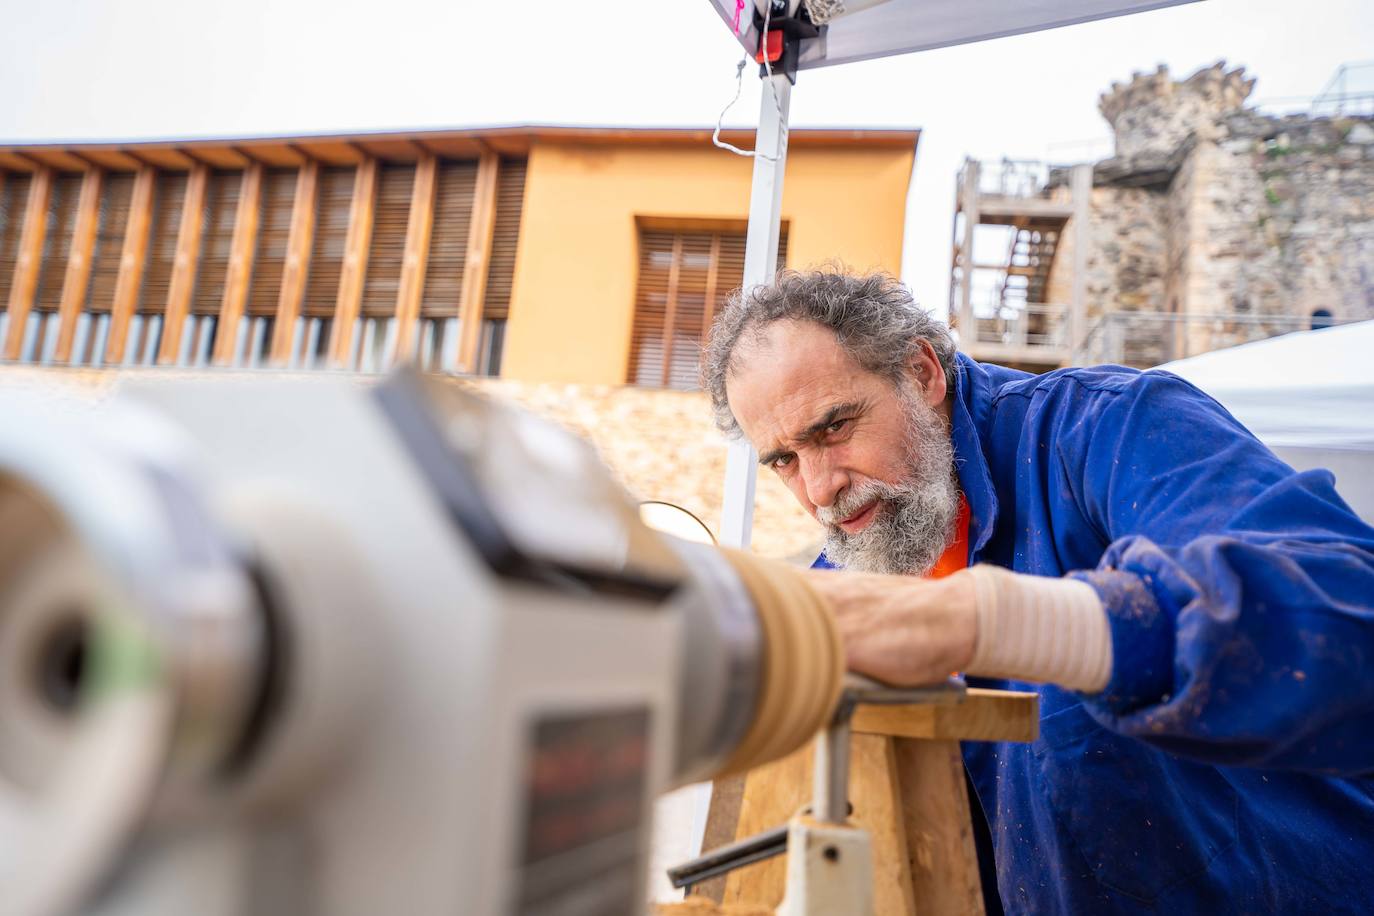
(823, 481)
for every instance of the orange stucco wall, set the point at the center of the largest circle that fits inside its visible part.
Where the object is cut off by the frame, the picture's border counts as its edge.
(573, 298)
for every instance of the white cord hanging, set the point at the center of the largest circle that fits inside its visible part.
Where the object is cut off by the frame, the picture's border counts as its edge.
(739, 87)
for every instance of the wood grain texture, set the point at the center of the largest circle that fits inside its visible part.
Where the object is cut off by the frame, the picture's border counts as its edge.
(297, 265)
(942, 860)
(184, 268)
(984, 715)
(480, 233)
(354, 270)
(77, 282)
(775, 792)
(722, 817)
(416, 258)
(26, 266)
(240, 268)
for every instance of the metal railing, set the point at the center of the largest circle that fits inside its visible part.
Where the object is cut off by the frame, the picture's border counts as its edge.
(1008, 177)
(1145, 339)
(1043, 325)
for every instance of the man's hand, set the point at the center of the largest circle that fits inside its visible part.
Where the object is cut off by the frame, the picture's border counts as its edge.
(902, 630)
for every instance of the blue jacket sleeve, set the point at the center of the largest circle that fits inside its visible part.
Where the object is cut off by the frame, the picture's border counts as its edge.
(1240, 592)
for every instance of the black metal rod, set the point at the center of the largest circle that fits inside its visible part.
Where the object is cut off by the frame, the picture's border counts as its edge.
(727, 858)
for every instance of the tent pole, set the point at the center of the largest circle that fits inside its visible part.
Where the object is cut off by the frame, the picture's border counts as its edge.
(760, 264)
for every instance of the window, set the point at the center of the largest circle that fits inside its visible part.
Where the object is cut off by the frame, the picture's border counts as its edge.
(269, 263)
(116, 196)
(14, 198)
(212, 269)
(40, 333)
(510, 201)
(145, 328)
(448, 250)
(684, 277)
(333, 208)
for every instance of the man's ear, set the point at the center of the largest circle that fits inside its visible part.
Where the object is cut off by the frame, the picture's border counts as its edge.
(926, 368)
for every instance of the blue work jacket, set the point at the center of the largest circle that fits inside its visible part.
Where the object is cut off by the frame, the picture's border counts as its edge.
(1226, 767)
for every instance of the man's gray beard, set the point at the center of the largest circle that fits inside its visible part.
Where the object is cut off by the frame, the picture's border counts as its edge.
(915, 518)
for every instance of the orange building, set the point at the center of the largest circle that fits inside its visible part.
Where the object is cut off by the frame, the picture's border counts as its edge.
(543, 254)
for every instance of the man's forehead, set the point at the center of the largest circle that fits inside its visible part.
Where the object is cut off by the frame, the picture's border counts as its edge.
(788, 377)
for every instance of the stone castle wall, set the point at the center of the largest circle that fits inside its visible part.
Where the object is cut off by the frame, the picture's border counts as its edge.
(1212, 209)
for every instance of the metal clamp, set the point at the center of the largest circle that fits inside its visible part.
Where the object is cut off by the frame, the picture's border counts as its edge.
(830, 787)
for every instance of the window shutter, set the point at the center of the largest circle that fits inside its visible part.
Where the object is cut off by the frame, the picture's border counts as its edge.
(216, 241)
(274, 231)
(448, 244)
(14, 197)
(510, 200)
(169, 198)
(334, 197)
(57, 245)
(685, 277)
(387, 253)
(116, 196)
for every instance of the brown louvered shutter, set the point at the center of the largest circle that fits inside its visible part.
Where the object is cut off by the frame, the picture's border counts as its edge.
(448, 244)
(116, 196)
(387, 252)
(216, 241)
(274, 231)
(14, 198)
(684, 279)
(334, 198)
(57, 246)
(510, 200)
(169, 196)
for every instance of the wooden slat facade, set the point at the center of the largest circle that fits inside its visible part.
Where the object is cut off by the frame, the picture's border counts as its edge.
(386, 254)
(333, 201)
(115, 197)
(684, 276)
(404, 238)
(14, 196)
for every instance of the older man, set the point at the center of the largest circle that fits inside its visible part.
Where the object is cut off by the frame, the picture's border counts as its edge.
(1200, 615)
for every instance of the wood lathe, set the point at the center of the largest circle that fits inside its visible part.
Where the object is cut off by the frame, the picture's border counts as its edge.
(309, 645)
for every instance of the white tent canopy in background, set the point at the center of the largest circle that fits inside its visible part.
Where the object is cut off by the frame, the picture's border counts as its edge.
(900, 26)
(1309, 396)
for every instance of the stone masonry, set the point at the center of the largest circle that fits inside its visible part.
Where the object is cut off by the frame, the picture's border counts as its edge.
(1239, 223)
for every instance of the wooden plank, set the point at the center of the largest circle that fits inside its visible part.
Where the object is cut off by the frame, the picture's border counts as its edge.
(942, 858)
(132, 259)
(354, 270)
(722, 817)
(775, 792)
(184, 268)
(875, 792)
(416, 257)
(77, 282)
(772, 794)
(984, 715)
(298, 248)
(478, 259)
(240, 265)
(25, 283)
(670, 307)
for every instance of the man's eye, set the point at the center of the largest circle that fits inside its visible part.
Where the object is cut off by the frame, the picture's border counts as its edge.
(781, 462)
(836, 426)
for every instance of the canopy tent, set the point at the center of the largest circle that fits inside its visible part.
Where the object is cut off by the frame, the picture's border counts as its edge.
(1309, 396)
(817, 33)
(864, 29)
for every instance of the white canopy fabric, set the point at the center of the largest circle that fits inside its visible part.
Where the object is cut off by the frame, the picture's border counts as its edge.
(1309, 396)
(1310, 389)
(902, 26)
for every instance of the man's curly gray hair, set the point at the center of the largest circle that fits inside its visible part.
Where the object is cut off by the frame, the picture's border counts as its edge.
(874, 318)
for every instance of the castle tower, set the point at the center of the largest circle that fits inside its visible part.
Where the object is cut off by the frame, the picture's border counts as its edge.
(1153, 114)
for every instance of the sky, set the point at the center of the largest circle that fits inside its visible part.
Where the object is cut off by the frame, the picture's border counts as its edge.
(128, 69)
